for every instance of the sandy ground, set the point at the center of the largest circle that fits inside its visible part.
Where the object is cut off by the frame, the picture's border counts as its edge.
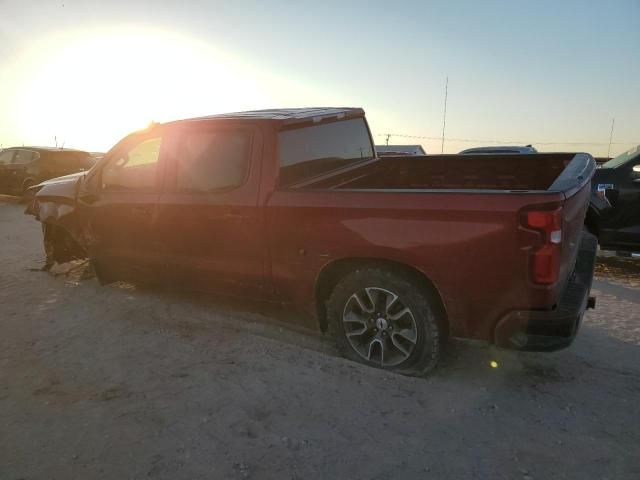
(119, 382)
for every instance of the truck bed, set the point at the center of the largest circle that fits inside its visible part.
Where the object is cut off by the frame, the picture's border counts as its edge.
(458, 218)
(536, 172)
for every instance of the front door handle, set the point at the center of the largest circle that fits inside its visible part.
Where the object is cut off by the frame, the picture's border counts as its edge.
(89, 198)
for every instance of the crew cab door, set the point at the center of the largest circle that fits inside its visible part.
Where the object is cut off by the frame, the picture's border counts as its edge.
(209, 217)
(118, 209)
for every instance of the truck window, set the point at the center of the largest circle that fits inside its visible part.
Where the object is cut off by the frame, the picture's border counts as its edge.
(134, 169)
(212, 160)
(310, 151)
(623, 158)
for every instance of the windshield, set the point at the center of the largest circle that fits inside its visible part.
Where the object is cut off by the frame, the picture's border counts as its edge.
(622, 158)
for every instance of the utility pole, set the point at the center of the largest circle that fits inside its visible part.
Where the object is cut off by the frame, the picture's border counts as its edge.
(444, 115)
(613, 122)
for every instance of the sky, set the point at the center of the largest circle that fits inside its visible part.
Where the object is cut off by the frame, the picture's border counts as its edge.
(554, 74)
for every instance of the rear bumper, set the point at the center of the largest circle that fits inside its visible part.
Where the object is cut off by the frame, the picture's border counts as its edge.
(548, 330)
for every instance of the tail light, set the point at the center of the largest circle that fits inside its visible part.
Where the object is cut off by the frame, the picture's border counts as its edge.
(545, 257)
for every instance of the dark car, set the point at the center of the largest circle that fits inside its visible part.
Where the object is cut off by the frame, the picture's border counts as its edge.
(614, 211)
(23, 167)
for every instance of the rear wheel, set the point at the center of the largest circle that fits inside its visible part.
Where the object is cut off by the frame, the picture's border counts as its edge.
(385, 320)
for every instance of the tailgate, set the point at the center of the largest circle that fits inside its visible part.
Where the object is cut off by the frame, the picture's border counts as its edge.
(575, 184)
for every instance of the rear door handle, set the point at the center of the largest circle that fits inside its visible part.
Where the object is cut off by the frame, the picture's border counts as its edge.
(140, 210)
(226, 216)
(234, 216)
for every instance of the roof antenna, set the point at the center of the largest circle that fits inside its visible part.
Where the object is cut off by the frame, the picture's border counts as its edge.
(613, 122)
(444, 115)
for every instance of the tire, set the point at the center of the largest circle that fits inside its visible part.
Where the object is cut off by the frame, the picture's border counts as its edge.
(49, 246)
(102, 274)
(383, 319)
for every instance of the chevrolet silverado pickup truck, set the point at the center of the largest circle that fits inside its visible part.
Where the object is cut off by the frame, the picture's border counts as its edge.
(390, 255)
(614, 212)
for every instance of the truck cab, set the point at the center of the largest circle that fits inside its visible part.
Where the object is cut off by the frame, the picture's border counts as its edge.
(614, 210)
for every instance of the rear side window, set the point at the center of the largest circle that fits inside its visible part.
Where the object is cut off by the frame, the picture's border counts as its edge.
(23, 156)
(212, 160)
(309, 151)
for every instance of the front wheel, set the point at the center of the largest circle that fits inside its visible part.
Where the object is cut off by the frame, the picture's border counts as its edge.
(384, 319)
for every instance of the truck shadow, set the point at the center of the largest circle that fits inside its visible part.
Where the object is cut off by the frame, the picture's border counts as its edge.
(194, 317)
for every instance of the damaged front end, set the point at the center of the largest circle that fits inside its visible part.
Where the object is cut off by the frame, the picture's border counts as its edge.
(54, 204)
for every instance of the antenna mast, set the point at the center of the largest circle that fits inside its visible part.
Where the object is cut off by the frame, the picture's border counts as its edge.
(613, 122)
(444, 115)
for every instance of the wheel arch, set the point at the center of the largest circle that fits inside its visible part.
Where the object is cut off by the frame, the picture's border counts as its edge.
(64, 246)
(334, 271)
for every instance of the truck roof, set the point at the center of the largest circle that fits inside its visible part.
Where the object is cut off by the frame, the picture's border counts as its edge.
(284, 116)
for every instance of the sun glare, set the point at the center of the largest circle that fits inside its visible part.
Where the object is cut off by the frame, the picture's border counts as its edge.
(90, 88)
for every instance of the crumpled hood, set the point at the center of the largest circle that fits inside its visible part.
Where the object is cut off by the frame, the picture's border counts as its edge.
(60, 187)
(54, 192)
(73, 177)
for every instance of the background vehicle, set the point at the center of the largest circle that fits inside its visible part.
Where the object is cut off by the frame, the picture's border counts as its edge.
(498, 150)
(292, 206)
(614, 211)
(395, 150)
(23, 167)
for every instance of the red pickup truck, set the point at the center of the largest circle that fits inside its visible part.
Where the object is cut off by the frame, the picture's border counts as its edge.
(391, 255)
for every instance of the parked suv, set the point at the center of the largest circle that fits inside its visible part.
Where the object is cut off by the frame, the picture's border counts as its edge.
(23, 167)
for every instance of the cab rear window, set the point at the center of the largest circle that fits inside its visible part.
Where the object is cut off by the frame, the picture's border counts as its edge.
(309, 151)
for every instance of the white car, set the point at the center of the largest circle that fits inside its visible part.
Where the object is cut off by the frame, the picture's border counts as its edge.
(496, 150)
